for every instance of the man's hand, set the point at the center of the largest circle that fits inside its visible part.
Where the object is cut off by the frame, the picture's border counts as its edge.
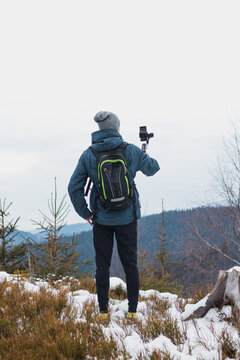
(90, 220)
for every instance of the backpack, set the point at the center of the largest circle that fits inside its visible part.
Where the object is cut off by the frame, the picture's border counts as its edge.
(114, 188)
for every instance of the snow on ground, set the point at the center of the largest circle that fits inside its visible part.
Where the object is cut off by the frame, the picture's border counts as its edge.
(4, 276)
(115, 282)
(201, 335)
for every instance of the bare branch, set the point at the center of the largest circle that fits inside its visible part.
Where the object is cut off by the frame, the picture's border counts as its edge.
(214, 248)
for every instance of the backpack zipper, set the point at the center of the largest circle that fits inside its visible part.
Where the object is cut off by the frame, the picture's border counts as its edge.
(106, 170)
(119, 173)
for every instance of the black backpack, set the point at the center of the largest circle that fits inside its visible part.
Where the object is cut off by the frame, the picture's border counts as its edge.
(114, 188)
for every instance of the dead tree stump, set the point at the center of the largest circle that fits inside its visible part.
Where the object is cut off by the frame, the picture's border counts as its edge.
(225, 292)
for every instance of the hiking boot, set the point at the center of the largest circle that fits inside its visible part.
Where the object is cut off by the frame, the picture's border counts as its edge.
(103, 318)
(132, 317)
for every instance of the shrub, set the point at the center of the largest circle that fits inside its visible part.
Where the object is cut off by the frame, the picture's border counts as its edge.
(44, 325)
(118, 293)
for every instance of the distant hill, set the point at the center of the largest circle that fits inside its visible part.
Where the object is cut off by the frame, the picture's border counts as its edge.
(22, 235)
(67, 230)
(75, 228)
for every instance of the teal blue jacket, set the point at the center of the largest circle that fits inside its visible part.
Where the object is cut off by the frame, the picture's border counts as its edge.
(137, 160)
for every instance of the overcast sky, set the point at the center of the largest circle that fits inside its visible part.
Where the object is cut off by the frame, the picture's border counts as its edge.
(170, 65)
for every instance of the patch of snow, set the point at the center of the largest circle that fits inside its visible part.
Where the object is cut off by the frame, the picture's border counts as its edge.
(164, 344)
(115, 282)
(134, 345)
(149, 293)
(81, 293)
(4, 276)
(31, 287)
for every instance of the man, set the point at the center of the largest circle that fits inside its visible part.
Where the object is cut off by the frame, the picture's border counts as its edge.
(106, 223)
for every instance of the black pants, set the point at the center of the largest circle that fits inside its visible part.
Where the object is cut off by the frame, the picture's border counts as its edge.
(126, 236)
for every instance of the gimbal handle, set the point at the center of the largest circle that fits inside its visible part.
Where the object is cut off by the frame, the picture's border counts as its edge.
(144, 147)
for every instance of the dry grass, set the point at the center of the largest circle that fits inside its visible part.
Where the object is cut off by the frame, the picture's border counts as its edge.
(157, 306)
(161, 355)
(156, 355)
(85, 283)
(46, 326)
(159, 322)
(154, 327)
(88, 284)
(43, 326)
(199, 291)
(21, 274)
(181, 303)
(228, 346)
(89, 311)
(118, 293)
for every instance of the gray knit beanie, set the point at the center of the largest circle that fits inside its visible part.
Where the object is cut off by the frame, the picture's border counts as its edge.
(107, 120)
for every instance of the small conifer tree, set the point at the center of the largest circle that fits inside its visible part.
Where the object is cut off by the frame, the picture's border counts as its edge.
(54, 258)
(154, 269)
(162, 264)
(12, 256)
(144, 268)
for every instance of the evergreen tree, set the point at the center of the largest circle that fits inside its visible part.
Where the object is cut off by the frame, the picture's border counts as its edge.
(155, 273)
(162, 263)
(54, 258)
(144, 268)
(12, 257)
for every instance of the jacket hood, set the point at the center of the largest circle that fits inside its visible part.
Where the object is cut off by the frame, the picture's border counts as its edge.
(107, 139)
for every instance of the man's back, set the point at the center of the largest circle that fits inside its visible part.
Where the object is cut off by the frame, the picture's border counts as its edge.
(137, 160)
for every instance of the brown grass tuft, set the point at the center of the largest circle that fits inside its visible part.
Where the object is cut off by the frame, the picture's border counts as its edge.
(160, 326)
(88, 284)
(199, 291)
(43, 325)
(118, 293)
(228, 346)
(159, 322)
(156, 355)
